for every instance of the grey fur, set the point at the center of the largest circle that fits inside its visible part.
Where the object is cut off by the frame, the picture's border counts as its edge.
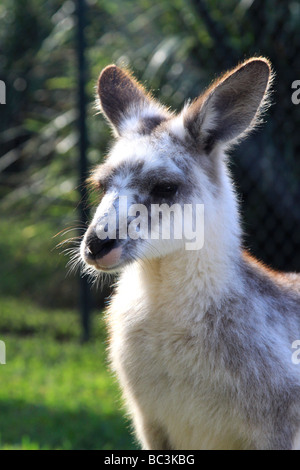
(201, 341)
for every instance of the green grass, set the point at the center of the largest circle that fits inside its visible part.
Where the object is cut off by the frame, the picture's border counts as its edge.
(56, 393)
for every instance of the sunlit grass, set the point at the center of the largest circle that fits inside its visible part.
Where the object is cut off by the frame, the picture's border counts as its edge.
(56, 393)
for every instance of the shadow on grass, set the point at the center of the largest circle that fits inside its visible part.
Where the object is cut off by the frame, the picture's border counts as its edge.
(24, 425)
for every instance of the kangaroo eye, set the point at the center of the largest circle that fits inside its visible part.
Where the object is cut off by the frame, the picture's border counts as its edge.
(164, 189)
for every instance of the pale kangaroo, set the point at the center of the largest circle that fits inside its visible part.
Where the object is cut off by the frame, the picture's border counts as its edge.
(200, 340)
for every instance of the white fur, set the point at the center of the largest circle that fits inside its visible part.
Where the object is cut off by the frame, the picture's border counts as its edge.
(148, 324)
(175, 313)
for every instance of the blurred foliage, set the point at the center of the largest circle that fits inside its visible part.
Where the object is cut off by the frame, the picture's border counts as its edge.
(55, 395)
(176, 48)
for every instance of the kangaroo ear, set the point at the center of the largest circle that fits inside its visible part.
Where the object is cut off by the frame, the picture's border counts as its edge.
(125, 102)
(230, 107)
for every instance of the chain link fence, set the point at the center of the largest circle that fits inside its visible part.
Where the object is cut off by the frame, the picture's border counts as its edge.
(266, 167)
(176, 48)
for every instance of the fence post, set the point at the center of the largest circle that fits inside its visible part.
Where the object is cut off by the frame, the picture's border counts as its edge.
(85, 303)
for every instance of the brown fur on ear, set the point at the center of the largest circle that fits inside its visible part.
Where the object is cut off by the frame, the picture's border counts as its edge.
(230, 107)
(121, 98)
(118, 90)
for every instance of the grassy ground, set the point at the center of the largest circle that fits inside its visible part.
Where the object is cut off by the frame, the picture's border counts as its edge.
(54, 392)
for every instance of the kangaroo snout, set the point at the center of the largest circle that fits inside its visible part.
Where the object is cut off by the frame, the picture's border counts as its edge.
(102, 254)
(98, 248)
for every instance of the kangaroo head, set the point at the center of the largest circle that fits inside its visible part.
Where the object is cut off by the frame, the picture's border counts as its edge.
(164, 166)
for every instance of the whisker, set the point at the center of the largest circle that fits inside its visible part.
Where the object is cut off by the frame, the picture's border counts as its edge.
(70, 240)
(69, 229)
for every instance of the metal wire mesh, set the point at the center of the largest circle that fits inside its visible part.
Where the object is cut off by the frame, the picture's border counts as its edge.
(174, 48)
(266, 167)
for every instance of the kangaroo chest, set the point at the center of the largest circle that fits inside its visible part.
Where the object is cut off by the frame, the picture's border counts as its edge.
(163, 370)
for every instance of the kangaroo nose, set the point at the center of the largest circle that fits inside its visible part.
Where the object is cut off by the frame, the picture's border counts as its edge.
(97, 248)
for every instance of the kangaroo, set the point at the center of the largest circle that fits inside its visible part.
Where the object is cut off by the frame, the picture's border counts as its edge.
(200, 339)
